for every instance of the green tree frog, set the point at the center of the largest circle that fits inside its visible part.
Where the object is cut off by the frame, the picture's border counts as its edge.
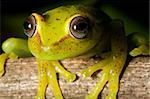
(76, 31)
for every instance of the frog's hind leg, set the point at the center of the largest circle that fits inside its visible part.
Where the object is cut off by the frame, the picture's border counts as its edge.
(3, 58)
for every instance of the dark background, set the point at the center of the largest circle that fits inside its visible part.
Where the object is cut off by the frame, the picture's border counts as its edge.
(136, 9)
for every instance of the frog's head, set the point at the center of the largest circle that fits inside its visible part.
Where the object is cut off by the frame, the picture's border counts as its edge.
(64, 32)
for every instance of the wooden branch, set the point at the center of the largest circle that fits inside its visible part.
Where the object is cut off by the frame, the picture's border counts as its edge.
(20, 80)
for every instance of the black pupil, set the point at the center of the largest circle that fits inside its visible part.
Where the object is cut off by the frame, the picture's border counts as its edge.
(81, 26)
(27, 26)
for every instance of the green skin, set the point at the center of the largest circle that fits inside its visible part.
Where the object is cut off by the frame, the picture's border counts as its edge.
(53, 42)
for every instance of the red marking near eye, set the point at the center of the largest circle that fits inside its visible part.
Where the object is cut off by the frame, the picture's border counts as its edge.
(39, 38)
(61, 40)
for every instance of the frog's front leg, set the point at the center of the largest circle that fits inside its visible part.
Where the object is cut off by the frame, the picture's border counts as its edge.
(52, 79)
(112, 64)
(42, 77)
(47, 75)
(67, 75)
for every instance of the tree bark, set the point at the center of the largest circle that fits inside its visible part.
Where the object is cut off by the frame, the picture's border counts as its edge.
(20, 80)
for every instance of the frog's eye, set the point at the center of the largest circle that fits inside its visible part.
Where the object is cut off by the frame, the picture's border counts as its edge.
(30, 26)
(79, 27)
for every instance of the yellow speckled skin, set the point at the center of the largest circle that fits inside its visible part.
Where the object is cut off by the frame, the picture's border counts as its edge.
(52, 42)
